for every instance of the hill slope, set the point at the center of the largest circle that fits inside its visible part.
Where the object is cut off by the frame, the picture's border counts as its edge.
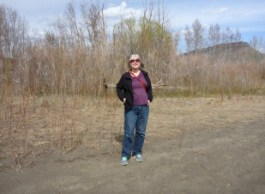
(233, 51)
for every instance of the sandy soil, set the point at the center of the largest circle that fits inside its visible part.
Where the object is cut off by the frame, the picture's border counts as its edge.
(200, 145)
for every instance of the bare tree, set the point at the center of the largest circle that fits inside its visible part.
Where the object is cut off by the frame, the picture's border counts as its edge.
(13, 31)
(198, 35)
(3, 29)
(256, 43)
(94, 22)
(74, 35)
(211, 35)
(237, 37)
(214, 36)
(188, 38)
(225, 38)
(177, 37)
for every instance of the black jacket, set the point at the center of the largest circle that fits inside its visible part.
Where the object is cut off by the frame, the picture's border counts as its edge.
(124, 89)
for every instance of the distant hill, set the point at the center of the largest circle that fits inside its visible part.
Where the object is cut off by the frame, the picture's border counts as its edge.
(237, 51)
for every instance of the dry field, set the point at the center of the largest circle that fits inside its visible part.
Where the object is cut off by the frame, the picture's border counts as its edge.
(32, 127)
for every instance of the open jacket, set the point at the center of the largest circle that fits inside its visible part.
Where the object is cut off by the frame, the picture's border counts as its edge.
(124, 89)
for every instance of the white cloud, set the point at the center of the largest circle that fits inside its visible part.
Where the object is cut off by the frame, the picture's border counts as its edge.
(262, 50)
(206, 26)
(219, 11)
(121, 10)
(215, 11)
(183, 32)
(114, 14)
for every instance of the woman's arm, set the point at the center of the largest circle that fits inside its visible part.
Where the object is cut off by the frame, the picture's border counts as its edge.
(150, 91)
(119, 88)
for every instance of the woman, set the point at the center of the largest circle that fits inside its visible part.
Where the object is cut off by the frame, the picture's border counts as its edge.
(135, 91)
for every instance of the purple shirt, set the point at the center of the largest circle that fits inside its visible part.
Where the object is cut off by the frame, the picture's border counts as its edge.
(139, 94)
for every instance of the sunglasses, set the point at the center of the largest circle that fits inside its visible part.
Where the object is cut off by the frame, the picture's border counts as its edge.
(136, 60)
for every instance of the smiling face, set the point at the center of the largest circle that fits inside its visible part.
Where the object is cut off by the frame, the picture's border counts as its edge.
(135, 63)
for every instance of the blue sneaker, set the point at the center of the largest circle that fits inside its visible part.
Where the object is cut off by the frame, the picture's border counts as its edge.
(124, 161)
(138, 157)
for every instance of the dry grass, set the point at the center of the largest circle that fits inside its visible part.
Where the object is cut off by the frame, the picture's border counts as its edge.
(173, 115)
(49, 124)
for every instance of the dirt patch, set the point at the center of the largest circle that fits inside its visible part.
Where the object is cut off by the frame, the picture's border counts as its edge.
(224, 160)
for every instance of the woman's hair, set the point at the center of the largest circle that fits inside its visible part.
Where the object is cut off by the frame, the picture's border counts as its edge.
(135, 56)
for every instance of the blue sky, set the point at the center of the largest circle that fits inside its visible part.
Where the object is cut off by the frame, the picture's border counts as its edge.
(247, 15)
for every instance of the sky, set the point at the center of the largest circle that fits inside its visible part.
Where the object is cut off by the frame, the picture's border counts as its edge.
(246, 15)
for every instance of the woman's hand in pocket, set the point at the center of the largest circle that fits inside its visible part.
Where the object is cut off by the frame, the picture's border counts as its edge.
(148, 103)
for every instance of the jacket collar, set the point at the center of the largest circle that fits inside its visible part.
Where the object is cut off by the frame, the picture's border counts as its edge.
(128, 75)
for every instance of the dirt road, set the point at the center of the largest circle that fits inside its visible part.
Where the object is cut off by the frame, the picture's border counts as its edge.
(224, 160)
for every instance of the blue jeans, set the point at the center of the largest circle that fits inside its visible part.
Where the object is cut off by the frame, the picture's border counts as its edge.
(135, 118)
